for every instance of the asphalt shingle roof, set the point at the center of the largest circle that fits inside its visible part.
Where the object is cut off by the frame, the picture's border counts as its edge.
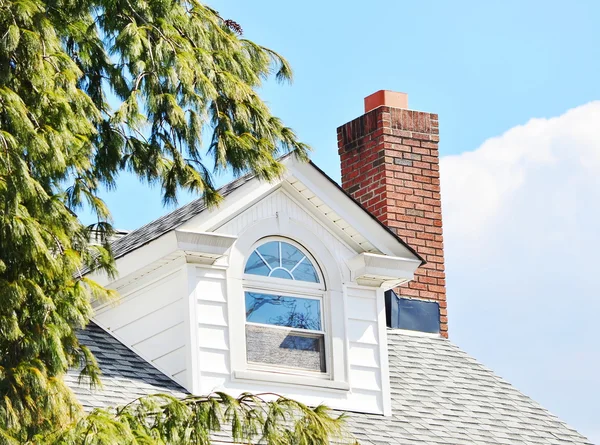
(154, 229)
(125, 375)
(440, 395)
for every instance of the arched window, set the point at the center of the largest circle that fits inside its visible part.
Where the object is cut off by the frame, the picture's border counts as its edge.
(284, 291)
(280, 259)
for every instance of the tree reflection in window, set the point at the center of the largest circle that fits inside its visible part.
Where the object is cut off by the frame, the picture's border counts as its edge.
(291, 312)
(279, 259)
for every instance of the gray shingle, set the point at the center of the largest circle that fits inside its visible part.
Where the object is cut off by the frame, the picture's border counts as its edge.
(158, 227)
(125, 376)
(440, 395)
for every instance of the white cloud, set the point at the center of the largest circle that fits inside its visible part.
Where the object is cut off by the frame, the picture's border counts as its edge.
(522, 233)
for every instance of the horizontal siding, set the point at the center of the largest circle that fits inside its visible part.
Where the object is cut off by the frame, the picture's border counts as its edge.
(212, 313)
(364, 355)
(360, 331)
(364, 352)
(365, 378)
(213, 343)
(213, 337)
(213, 285)
(142, 302)
(151, 321)
(214, 361)
(362, 309)
(162, 343)
(160, 320)
(173, 360)
(212, 329)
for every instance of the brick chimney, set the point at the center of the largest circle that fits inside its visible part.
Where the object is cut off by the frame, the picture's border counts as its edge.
(390, 164)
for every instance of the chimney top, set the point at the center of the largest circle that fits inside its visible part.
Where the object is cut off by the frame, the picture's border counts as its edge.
(387, 98)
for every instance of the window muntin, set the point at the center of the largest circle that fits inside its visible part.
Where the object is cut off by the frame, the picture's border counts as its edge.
(279, 259)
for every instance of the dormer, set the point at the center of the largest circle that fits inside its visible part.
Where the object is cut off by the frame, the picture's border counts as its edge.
(282, 288)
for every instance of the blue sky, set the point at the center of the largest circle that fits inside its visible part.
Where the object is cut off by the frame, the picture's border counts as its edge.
(520, 256)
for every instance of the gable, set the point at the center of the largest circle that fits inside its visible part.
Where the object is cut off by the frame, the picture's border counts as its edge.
(281, 204)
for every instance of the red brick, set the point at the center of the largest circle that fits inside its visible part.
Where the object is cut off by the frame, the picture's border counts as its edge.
(404, 195)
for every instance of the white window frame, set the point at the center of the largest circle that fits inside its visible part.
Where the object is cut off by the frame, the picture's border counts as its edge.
(291, 288)
(335, 273)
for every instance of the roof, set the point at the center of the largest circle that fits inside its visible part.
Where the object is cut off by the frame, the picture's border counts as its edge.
(440, 395)
(125, 375)
(154, 229)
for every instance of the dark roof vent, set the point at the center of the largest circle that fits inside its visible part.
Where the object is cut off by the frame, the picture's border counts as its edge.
(414, 315)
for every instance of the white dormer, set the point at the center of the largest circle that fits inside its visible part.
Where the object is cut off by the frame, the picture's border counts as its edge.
(280, 289)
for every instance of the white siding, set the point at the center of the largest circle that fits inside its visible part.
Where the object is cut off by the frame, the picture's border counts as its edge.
(190, 322)
(209, 293)
(150, 319)
(216, 298)
(364, 354)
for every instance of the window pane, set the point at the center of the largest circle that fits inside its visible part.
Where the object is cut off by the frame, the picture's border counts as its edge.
(293, 312)
(256, 266)
(285, 347)
(270, 252)
(306, 272)
(290, 256)
(281, 273)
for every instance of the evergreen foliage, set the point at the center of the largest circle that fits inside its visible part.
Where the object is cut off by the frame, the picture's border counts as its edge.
(178, 70)
(163, 419)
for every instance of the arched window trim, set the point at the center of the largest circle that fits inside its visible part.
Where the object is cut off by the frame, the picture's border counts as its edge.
(282, 282)
(292, 288)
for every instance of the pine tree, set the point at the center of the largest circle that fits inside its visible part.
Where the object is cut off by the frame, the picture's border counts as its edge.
(163, 419)
(178, 70)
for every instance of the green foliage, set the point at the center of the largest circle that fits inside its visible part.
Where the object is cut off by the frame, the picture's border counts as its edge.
(163, 419)
(178, 70)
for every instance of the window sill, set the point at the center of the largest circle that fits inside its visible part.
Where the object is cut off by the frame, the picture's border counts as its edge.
(288, 379)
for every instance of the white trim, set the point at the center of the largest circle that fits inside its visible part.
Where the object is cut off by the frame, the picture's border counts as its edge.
(234, 203)
(414, 333)
(348, 210)
(384, 366)
(330, 275)
(289, 379)
(193, 350)
(295, 289)
(307, 255)
(382, 270)
(283, 285)
(206, 243)
(301, 331)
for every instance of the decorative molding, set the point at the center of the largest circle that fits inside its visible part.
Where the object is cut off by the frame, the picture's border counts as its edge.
(290, 379)
(207, 245)
(383, 271)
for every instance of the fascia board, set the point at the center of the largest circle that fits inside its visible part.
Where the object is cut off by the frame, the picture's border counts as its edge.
(233, 204)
